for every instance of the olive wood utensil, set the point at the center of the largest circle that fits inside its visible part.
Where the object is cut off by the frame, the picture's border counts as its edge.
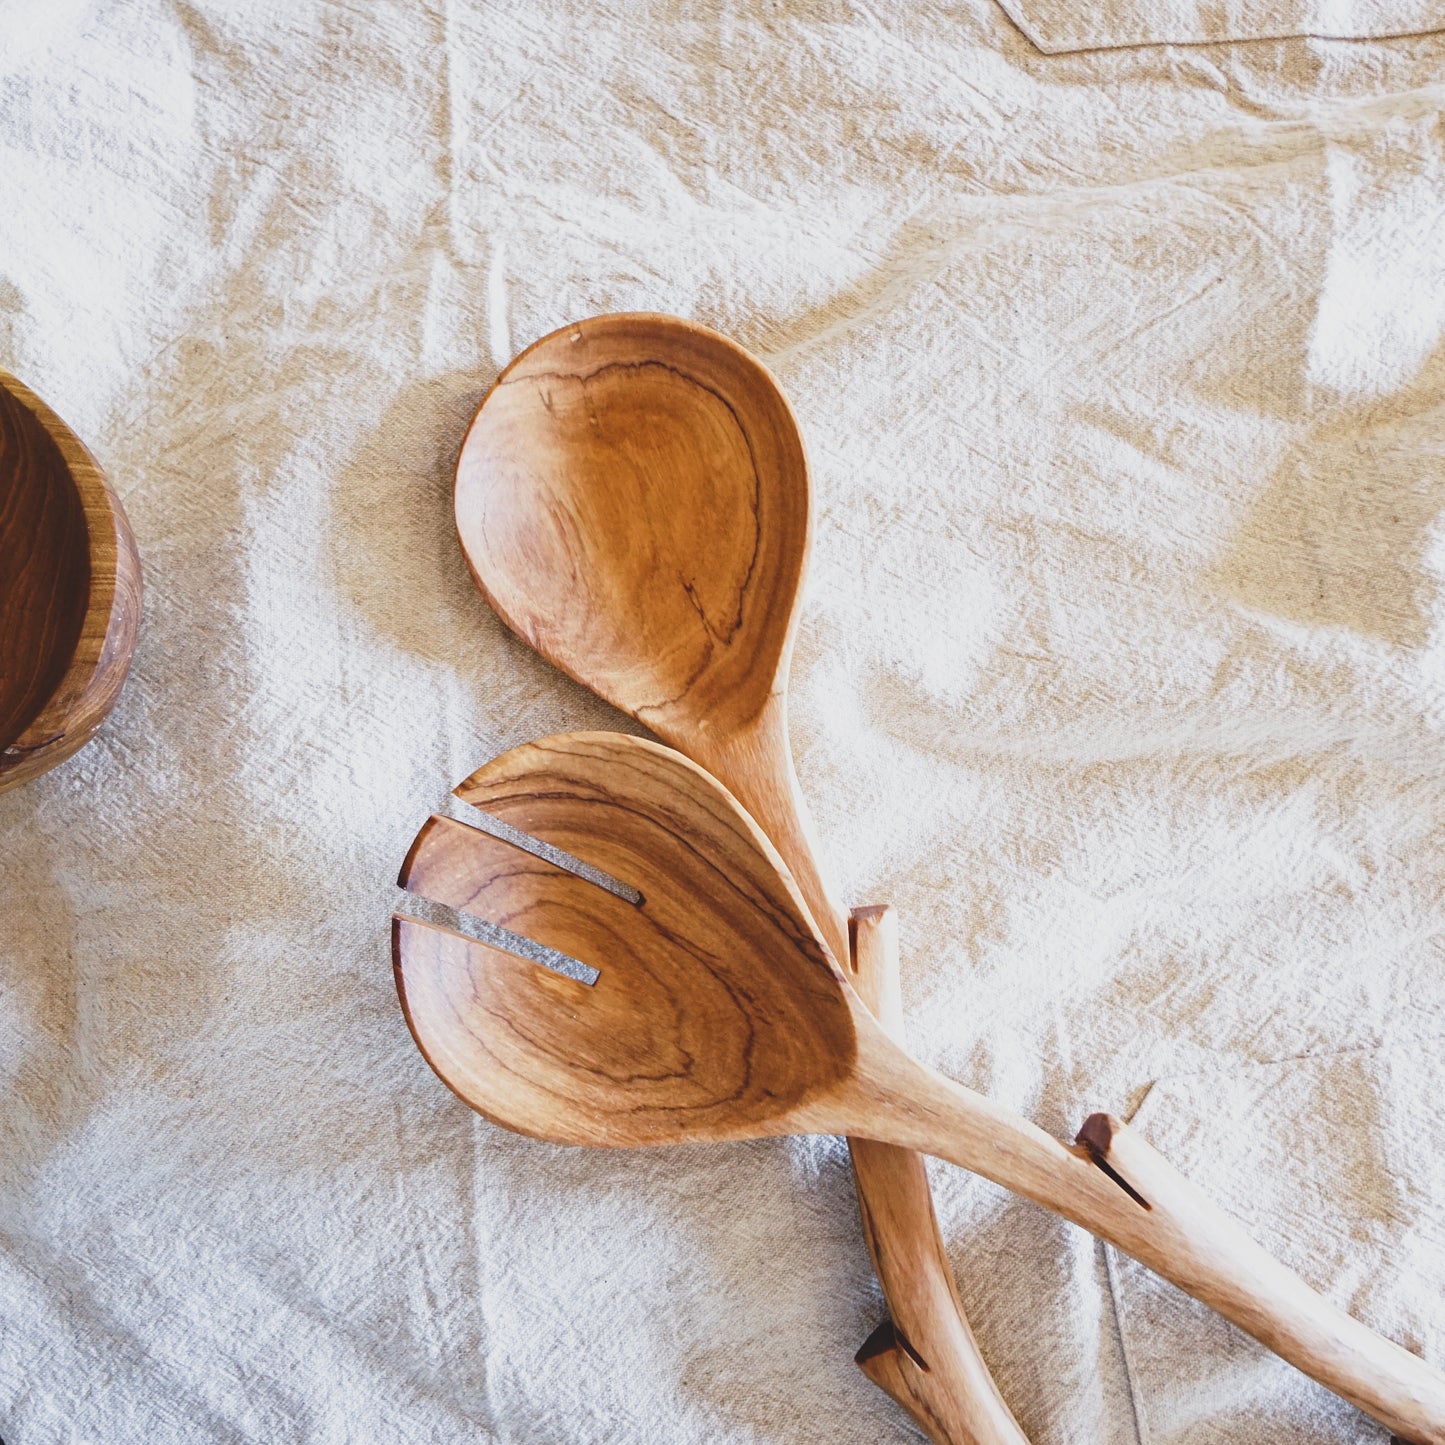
(719, 1013)
(957, 1400)
(70, 589)
(633, 500)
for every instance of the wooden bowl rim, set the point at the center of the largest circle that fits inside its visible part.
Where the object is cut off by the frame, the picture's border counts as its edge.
(48, 737)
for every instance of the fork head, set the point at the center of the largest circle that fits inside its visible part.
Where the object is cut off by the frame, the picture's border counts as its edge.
(716, 1010)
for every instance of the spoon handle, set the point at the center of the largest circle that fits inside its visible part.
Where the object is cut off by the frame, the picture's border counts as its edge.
(924, 1356)
(1119, 1188)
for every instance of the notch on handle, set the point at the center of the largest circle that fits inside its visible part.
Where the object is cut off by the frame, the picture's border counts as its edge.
(1222, 1266)
(1115, 1185)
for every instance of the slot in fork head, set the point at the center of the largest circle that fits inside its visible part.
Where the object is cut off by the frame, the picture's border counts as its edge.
(716, 1008)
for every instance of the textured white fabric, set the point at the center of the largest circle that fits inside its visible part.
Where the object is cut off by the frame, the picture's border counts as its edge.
(1121, 672)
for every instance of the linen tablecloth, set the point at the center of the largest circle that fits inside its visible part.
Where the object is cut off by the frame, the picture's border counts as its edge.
(1121, 673)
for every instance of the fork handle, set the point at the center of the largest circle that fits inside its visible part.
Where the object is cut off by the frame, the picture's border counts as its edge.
(1220, 1264)
(1115, 1185)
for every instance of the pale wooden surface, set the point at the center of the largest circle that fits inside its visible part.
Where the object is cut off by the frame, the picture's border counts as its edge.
(947, 1390)
(633, 499)
(70, 589)
(719, 1014)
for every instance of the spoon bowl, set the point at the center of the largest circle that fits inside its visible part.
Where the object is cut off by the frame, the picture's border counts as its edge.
(632, 499)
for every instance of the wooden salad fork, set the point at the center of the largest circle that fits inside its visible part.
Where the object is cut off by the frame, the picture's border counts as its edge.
(718, 1012)
(633, 500)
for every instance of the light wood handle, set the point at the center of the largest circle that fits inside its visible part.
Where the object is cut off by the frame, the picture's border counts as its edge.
(925, 1357)
(1113, 1184)
(1212, 1257)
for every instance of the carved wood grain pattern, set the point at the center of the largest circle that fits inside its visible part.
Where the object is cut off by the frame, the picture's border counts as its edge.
(70, 589)
(660, 498)
(633, 499)
(691, 1028)
(45, 564)
(753, 990)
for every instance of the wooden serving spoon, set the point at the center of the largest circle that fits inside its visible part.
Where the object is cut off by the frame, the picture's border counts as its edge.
(718, 1013)
(633, 500)
(70, 589)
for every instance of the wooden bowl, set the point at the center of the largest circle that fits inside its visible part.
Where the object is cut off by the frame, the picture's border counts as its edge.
(70, 589)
